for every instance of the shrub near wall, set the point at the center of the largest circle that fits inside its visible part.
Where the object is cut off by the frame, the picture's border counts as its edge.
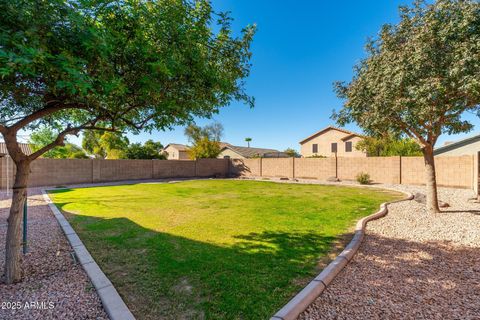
(380, 169)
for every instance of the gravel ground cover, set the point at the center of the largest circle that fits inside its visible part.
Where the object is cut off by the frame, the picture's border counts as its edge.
(411, 265)
(55, 287)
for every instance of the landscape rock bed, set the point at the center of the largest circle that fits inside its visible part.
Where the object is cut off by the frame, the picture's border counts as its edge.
(411, 265)
(51, 276)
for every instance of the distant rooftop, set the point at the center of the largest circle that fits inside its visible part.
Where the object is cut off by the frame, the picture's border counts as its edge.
(25, 147)
(248, 152)
(178, 146)
(457, 144)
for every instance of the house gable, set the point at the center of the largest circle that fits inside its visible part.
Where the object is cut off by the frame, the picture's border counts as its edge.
(332, 141)
(340, 130)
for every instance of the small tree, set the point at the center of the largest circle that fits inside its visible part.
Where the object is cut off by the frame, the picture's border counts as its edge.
(418, 78)
(387, 146)
(292, 153)
(102, 65)
(205, 141)
(248, 140)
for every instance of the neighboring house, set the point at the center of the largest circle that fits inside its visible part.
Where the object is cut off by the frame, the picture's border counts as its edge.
(237, 152)
(468, 146)
(25, 147)
(332, 141)
(175, 151)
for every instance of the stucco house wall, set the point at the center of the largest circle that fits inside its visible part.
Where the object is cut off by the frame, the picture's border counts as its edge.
(324, 142)
(175, 154)
(230, 153)
(460, 149)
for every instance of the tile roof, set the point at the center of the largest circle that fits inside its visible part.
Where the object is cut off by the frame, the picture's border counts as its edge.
(178, 146)
(25, 147)
(255, 152)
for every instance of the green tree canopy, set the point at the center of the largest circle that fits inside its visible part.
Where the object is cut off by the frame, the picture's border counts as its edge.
(292, 153)
(419, 77)
(205, 141)
(149, 150)
(387, 146)
(76, 65)
(45, 136)
(105, 144)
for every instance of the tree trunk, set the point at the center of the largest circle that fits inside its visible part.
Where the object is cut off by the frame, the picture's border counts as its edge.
(14, 231)
(431, 193)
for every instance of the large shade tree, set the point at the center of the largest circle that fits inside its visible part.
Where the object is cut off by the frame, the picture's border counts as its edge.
(75, 65)
(419, 77)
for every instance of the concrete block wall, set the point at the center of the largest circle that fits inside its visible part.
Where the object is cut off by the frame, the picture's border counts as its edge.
(315, 168)
(118, 170)
(54, 172)
(173, 168)
(60, 171)
(452, 171)
(211, 167)
(380, 169)
(246, 167)
(413, 170)
(278, 167)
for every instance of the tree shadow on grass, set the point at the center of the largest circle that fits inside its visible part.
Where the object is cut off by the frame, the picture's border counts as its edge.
(163, 276)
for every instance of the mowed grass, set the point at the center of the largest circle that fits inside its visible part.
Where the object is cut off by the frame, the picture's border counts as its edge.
(212, 249)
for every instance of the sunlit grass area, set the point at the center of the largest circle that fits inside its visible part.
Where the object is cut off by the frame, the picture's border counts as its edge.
(214, 249)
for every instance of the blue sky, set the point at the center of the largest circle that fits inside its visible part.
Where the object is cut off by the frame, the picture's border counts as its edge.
(300, 49)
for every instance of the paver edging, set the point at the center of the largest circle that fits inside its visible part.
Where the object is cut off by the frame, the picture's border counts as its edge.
(111, 300)
(315, 288)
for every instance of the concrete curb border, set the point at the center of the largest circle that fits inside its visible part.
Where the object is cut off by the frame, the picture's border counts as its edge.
(111, 300)
(314, 289)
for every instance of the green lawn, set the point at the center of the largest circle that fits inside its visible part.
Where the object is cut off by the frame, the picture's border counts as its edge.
(213, 249)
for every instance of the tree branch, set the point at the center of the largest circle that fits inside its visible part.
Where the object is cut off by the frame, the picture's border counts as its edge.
(46, 111)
